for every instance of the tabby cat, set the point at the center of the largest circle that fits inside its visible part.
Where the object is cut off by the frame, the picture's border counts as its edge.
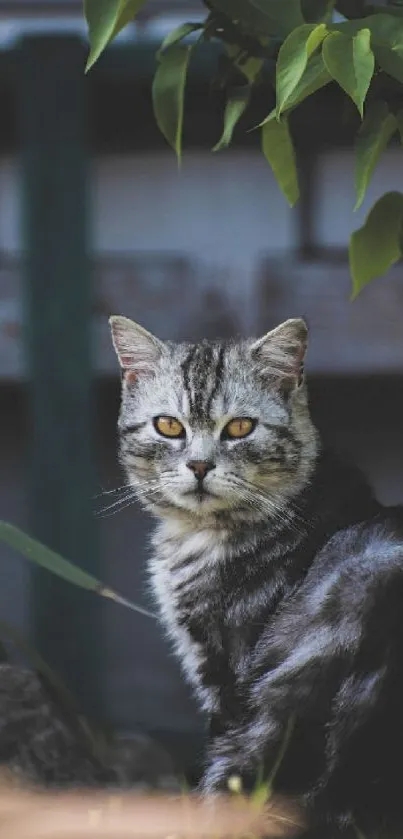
(278, 575)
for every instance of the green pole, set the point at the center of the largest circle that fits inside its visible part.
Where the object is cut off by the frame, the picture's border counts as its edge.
(53, 145)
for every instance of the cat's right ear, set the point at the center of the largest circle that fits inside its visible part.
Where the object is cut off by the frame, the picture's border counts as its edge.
(137, 350)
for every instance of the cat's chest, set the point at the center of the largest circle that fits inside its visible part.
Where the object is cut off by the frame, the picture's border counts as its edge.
(185, 575)
(185, 570)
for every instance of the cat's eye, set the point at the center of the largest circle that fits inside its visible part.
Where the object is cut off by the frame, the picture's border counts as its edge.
(238, 427)
(169, 427)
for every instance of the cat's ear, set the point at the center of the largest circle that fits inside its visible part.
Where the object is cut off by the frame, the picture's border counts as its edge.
(137, 350)
(281, 352)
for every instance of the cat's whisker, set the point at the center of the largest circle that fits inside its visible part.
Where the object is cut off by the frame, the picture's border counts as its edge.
(123, 503)
(257, 496)
(116, 505)
(111, 491)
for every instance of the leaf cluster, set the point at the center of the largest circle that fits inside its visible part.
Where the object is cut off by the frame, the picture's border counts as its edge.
(292, 48)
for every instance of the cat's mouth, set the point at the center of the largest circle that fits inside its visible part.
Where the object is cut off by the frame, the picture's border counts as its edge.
(201, 493)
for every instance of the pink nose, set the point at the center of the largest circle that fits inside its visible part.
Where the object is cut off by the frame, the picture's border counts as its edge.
(200, 468)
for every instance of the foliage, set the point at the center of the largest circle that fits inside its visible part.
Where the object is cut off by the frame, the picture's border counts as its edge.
(56, 564)
(40, 555)
(295, 47)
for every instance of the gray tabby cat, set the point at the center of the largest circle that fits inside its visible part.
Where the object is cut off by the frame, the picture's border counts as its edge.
(278, 576)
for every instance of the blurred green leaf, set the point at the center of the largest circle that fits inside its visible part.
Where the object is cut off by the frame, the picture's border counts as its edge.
(250, 67)
(396, 11)
(293, 58)
(350, 61)
(387, 38)
(169, 93)
(52, 561)
(279, 151)
(177, 35)
(284, 16)
(264, 789)
(262, 18)
(376, 246)
(317, 11)
(378, 127)
(105, 19)
(235, 107)
(385, 28)
(390, 61)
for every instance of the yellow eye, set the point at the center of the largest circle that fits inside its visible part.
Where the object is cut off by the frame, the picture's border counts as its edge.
(169, 427)
(239, 427)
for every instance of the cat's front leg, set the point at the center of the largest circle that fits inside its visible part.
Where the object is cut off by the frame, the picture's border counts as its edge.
(237, 754)
(223, 763)
(247, 753)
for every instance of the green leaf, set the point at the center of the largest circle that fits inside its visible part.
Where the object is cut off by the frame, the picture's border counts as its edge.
(234, 109)
(168, 94)
(105, 19)
(350, 61)
(317, 11)
(377, 129)
(282, 752)
(293, 58)
(52, 561)
(315, 77)
(397, 11)
(262, 18)
(376, 246)
(279, 151)
(284, 17)
(386, 39)
(390, 61)
(385, 28)
(249, 67)
(177, 35)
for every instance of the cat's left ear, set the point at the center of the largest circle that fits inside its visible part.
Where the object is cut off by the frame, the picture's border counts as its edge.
(137, 350)
(280, 354)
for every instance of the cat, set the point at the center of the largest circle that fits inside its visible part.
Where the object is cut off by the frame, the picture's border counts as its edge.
(279, 576)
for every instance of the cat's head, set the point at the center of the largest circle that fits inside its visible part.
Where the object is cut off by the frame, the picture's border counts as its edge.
(216, 428)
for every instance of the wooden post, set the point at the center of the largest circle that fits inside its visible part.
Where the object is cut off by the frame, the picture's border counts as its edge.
(52, 122)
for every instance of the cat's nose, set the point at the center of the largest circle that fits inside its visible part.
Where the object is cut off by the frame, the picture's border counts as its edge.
(200, 468)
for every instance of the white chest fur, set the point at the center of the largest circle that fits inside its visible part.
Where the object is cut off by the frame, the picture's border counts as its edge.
(185, 561)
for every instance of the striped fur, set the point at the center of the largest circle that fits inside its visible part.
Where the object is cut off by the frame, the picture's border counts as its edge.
(281, 585)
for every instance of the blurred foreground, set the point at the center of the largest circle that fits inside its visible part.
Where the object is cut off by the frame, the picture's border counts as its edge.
(39, 815)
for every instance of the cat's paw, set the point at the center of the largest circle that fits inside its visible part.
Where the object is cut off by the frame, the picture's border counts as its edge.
(221, 777)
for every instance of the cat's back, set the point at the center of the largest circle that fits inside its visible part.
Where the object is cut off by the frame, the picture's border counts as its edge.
(360, 559)
(352, 595)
